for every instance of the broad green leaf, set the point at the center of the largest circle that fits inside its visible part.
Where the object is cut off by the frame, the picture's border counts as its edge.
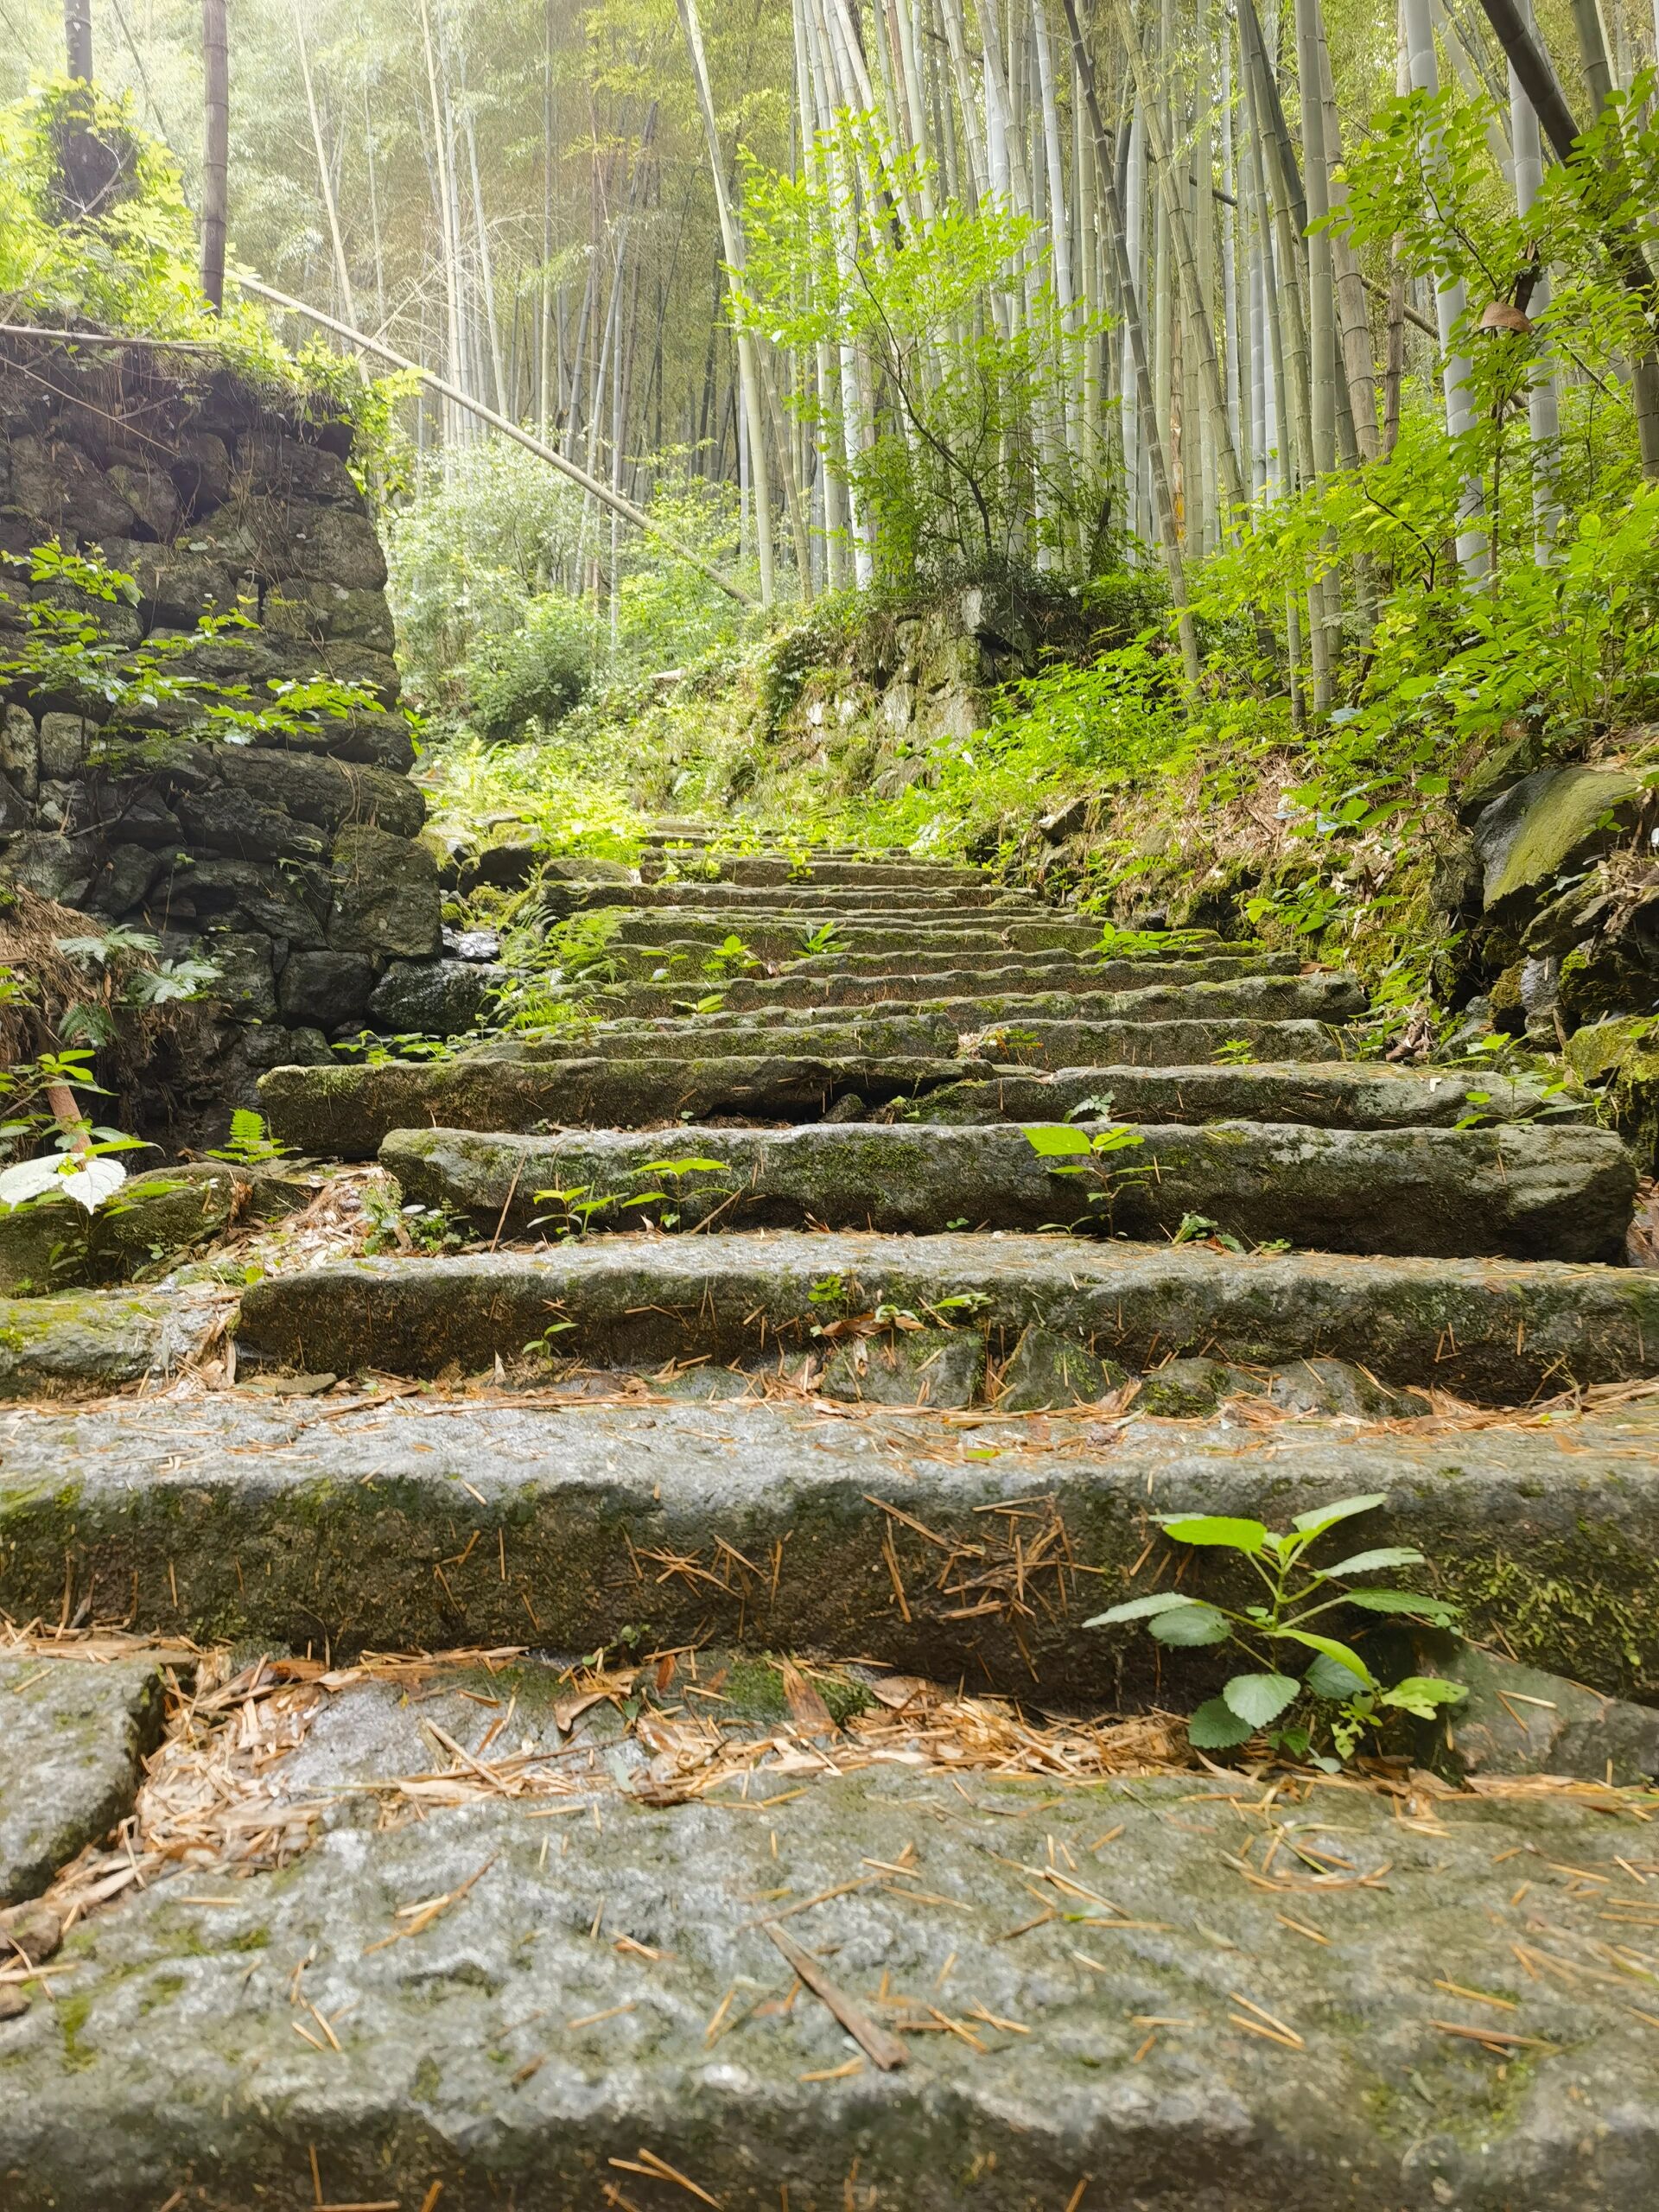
(1368, 1562)
(1325, 1516)
(1329, 1678)
(1339, 1654)
(1424, 1694)
(1140, 1609)
(682, 1167)
(1189, 1625)
(1052, 1140)
(1214, 1528)
(1216, 1727)
(1259, 1697)
(1437, 1609)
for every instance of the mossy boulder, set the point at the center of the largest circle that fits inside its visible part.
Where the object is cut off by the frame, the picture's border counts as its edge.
(153, 1220)
(1620, 1057)
(1550, 818)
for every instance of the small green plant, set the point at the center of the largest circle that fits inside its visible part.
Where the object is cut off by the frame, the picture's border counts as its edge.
(247, 1145)
(1199, 1228)
(731, 957)
(395, 1228)
(1067, 1150)
(828, 1290)
(826, 937)
(1235, 1053)
(543, 1347)
(1299, 1671)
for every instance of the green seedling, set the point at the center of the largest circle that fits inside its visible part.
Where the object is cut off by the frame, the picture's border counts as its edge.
(1300, 1670)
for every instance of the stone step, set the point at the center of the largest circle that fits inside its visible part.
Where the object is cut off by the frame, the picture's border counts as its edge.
(781, 939)
(567, 2030)
(923, 955)
(1498, 1332)
(1335, 1095)
(805, 984)
(846, 1035)
(1529, 1191)
(737, 899)
(343, 1113)
(234, 1516)
(1255, 998)
(1040, 1042)
(103, 1339)
(774, 868)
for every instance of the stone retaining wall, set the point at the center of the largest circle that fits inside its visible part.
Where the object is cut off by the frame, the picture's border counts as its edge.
(293, 862)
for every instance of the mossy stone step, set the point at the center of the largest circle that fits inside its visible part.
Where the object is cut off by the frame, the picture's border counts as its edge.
(1260, 998)
(71, 1755)
(1498, 1332)
(738, 899)
(548, 2037)
(85, 1341)
(343, 1113)
(307, 1522)
(808, 983)
(849, 1034)
(774, 868)
(1334, 1095)
(1527, 1191)
(1039, 1042)
(783, 939)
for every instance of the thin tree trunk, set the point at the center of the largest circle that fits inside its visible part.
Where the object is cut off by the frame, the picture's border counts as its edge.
(1353, 319)
(215, 155)
(485, 263)
(731, 238)
(1164, 504)
(452, 302)
(323, 178)
(77, 38)
(1543, 421)
(1200, 322)
(1450, 303)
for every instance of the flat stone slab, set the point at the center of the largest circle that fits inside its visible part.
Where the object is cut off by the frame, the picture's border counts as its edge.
(1338, 1094)
(1522, 1191)
(589, 2016)
(1501, 1331)
(345, 1112)
(100, 1340)
(72, 1737)
(951, 1546)
(850, 1036)
(1038, 1041)
(807, 983)
(781, 938)
(579, 2017)
(1252, 998)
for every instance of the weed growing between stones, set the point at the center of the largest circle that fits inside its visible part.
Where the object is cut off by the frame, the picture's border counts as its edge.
(1334, 1695)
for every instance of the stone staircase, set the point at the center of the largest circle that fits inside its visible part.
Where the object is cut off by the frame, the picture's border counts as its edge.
(776, 1332)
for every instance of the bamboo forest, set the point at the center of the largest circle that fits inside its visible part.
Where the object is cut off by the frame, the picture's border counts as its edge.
(828, 1105)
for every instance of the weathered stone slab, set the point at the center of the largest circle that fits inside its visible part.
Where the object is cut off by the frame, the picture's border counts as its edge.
(70, 1746)
(1341, 1094)
(850, 1036)
(1524, 1191)
(1251, 998)
(1040, 1042)
(857, 983)
(161, 1216)
(101, 1339)
(460, 2067)
(345, 1112)
(1518, 1720)
(1500, 1332)
(304, 1523)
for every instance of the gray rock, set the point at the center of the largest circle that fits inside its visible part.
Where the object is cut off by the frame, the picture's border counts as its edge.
(69, 1759)
(385, 895)
(150, 494)
(458, 2063)
(325, 990)
(65, 742)
(20, 749)
(326, 792)
(1518, 1720)
(126, 874)
(1336, 1386)
(227, 820)
(1188, 1389)
(331, 544)
(471, 944)
(907, 1367)
(295, 1523)
(319, 610)
(1048, 1367)
(51, 866)
(245, 985)
(1499, 1331)
(1547, 822)
(1523, 1191)
(99, 1340)
(201, 472)
(436, 998)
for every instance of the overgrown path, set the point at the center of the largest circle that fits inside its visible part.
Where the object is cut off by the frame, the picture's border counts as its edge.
(872, 1314)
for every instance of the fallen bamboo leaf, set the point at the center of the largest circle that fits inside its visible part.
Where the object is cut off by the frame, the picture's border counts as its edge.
(883, 2049)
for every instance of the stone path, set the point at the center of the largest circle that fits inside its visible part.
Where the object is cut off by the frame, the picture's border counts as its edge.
(780, 1335)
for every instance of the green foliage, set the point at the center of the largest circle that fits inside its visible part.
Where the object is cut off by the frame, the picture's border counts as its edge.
(536, 673)
(397, 1228)
(1306, 1687)
(247, 1145)
(968, 444)
(1066, 1149)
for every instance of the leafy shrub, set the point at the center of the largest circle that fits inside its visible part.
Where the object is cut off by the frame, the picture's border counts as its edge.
(536, 673)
